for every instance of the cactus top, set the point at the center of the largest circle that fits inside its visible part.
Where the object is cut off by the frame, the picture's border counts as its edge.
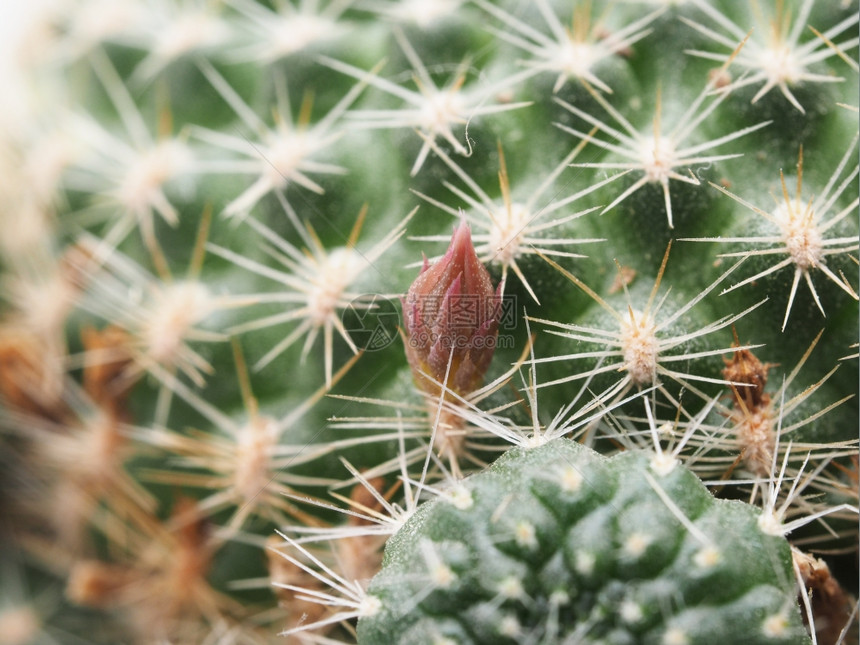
(562, 545)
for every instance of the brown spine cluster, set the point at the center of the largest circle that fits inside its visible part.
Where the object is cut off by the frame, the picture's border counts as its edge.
(752, 414)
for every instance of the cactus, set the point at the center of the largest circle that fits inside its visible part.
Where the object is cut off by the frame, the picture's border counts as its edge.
(239, 405)
(585, 550)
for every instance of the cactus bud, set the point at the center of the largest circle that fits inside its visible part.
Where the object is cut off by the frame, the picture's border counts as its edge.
(451, 317)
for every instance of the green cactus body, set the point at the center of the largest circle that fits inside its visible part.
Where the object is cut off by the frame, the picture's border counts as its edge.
(211, 214)
(561, 545)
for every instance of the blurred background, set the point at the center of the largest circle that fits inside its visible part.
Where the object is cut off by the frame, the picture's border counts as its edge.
(16, 28)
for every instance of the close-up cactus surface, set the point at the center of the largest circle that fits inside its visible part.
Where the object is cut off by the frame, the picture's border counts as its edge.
(585, 550)
(450, 322)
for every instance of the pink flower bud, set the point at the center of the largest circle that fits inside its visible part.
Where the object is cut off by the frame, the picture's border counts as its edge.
(451, 316)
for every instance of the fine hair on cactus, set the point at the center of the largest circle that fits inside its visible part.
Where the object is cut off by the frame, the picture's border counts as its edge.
(412, 322)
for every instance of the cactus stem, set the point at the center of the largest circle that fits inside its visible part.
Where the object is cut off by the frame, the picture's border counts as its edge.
(617, 480)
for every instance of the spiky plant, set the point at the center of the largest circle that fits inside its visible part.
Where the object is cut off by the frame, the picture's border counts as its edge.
(238, 406)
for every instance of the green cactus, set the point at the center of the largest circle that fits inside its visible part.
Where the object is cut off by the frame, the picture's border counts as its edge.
(561, 545)
(212, 213)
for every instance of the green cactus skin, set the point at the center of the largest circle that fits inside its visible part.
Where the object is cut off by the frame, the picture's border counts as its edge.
(561, 545)
(190, 203)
